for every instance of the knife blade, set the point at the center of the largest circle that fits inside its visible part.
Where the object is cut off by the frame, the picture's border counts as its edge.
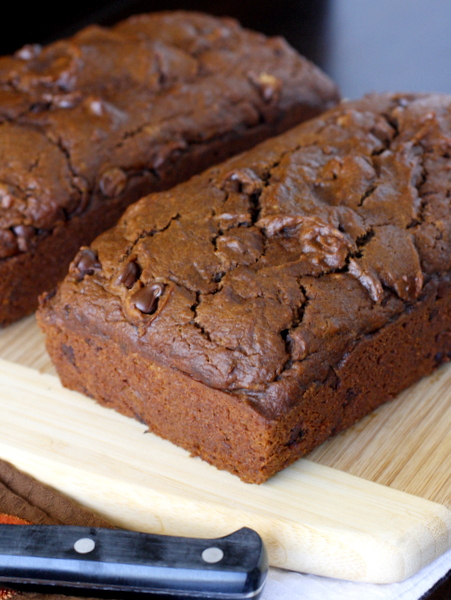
(233, 567)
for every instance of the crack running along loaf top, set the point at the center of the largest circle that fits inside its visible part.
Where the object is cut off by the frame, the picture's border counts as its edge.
(259, 274)
(82, 117)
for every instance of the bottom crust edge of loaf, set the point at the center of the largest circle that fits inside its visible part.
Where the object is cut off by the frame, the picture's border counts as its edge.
(230, 433)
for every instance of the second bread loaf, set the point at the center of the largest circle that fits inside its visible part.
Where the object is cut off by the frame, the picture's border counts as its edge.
(91, 123)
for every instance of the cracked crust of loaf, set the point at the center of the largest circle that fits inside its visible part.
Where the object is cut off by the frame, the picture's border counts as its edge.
(305, 281)
(91, 123)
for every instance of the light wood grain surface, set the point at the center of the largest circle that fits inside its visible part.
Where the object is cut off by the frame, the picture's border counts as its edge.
(371, 505)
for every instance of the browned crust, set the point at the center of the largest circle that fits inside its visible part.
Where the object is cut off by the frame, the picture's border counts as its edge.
(25, 276)
(44, 102)
(230, 433)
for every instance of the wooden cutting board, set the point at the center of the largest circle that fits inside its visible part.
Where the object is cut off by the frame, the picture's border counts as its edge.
(373, 505)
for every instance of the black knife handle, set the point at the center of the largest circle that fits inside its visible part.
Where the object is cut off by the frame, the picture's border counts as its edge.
(90, 558)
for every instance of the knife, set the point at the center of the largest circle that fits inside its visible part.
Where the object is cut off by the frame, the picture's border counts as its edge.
(233, 567)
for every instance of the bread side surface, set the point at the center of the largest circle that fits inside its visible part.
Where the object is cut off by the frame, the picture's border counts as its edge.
(304, 283)
(92, 123)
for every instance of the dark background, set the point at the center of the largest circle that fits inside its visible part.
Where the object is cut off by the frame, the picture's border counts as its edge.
(364, 45)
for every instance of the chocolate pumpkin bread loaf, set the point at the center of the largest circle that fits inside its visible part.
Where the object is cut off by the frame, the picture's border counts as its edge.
(92, 123)
(265, 305)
